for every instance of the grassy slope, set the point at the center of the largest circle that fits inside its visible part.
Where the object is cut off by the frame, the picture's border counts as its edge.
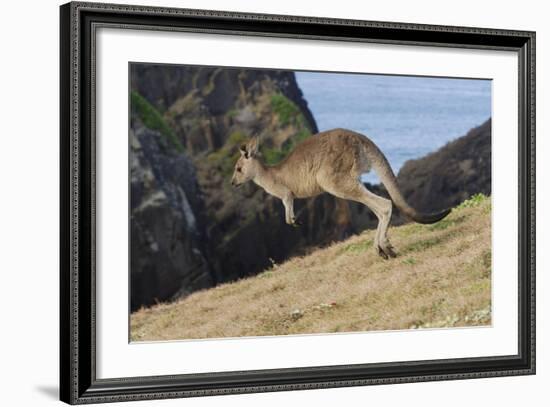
(441, 278)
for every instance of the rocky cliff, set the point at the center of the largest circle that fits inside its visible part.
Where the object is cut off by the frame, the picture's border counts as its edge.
(205, 105)
(167, 225)
(202, 115)
(451, 174)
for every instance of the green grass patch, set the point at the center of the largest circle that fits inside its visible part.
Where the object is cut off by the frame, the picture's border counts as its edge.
(412, 229)
(473, 201)
(423, 244)
(446, 223)
(358, 247)
(410, 261)
(152, 119)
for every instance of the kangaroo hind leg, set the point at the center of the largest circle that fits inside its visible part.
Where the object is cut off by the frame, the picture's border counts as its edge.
(381, 207)
(385, 248)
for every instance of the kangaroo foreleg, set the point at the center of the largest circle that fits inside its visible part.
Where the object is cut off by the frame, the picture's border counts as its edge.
(288, 202)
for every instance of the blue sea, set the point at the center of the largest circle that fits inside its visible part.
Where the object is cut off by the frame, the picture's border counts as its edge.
(406, 116)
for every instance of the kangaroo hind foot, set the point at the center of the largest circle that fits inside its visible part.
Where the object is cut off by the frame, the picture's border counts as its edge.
(386, 251)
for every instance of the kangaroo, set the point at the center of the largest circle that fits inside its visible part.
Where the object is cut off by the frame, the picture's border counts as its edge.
(330, 161)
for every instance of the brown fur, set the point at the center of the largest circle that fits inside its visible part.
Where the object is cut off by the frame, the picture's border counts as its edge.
(332, 162)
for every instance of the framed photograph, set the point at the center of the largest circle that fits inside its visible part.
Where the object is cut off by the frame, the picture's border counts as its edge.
(254, 203)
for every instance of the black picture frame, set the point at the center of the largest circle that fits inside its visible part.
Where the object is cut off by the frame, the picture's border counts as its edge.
(78, 382)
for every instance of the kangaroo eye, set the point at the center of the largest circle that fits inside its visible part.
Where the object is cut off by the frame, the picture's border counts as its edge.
(239, 169)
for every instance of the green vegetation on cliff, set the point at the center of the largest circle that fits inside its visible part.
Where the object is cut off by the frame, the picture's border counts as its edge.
(290, 121)
(284, 108)
(290, 117)
(152, 119)
(441, 278)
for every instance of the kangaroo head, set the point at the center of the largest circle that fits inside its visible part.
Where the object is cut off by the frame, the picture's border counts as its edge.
(247, 165)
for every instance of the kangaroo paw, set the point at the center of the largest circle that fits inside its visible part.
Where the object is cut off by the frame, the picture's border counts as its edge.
(382, 254)
(386, 252)
(390, 252)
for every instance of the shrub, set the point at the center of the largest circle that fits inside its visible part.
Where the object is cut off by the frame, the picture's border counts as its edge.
(235, 139)
(285, 108)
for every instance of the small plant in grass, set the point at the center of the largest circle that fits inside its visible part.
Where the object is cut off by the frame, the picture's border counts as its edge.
(473, 201)
(423, 244)
(442, 224)
(266, 274)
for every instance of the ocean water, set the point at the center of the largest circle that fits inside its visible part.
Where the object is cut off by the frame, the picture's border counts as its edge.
(406, 116)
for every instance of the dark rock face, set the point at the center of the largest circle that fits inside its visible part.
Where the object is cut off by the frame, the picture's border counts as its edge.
(166, 222)
(450, 175)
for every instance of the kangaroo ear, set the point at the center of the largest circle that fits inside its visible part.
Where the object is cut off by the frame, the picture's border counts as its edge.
(243, 150)
(252, 147)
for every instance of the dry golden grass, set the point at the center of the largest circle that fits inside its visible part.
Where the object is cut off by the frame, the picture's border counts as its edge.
(441, 278)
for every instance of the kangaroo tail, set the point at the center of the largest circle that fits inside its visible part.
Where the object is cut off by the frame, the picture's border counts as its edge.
(380, 164)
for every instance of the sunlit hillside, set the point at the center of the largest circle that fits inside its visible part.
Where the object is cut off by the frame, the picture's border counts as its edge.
(441, 278)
